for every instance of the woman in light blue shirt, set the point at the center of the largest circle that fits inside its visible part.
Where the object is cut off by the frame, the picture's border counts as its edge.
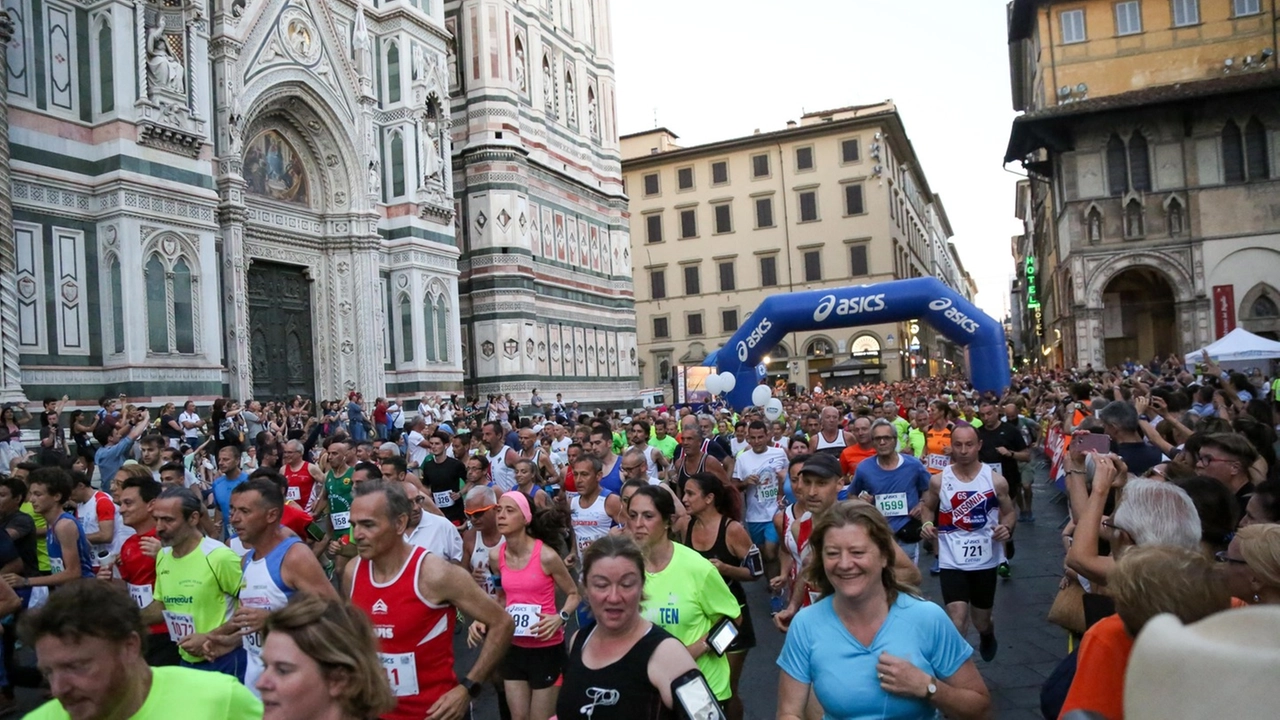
(871, 648)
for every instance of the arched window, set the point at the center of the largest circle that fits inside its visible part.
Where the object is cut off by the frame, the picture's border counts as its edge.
(1255, 150)
(397, 164)
(1264, 307)
(183, 318)
(819, 347)
(1117, 166)
(1139, 164)
(1232, 153)
(157, 304)
(406, 330)
(429, 328)
(393, 73)
(117, 305)
(106, 75)
(864, 345)
(442, 328)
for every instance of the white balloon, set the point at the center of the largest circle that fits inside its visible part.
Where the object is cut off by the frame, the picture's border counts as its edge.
(728, 381)
(712, 384)
(773, 409)
(760, 395)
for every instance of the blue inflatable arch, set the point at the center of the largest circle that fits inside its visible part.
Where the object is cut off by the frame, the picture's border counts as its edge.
(924, 298)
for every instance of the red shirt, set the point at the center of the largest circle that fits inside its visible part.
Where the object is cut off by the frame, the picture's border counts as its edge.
(294, 518)
(139, 570)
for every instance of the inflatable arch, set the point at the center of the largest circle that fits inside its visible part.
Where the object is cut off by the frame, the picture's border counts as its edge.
(924, 298)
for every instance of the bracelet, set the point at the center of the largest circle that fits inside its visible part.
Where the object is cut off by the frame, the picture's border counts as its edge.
(1077, 472)
(926, 524)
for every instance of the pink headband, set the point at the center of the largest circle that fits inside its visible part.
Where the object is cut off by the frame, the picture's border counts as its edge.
(521, 502)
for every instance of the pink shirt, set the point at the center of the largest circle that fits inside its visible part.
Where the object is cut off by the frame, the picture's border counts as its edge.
(530, 585)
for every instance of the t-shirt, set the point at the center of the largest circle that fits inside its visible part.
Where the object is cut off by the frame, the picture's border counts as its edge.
(138, 570)
(910, 478)
(222, 488)
(1140, 456)
(437, 536)
(200, 585)
(42, 546)
(820, 652)
(97, 512)
(1004, 435)
(296, 519)
(667, 445)
(761, 499)
(413, 448)
(441, 478)
(687, 599)
(202, 695)
(852, 456)
(1100, 667)
(25, 528)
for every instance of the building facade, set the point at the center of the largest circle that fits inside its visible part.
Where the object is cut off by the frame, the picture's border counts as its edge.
(546, 260)
(837, 199)
(1150, 132)
(238, 198)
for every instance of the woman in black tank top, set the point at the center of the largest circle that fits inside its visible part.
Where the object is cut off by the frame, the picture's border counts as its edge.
(622, 666)
(712, 504)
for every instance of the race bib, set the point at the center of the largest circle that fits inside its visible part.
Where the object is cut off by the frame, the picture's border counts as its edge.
(141, 594)
(402, 673)
(937, 462)
(768, 493)
(443, 499)
(341, 521)
(294, 493)
(995, 468)
(892, 504)
(969, 550)
(180, 625)
(525, 615)
(56, 565)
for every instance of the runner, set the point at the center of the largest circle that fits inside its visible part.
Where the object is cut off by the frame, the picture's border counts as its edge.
(655, 461)
(501, 459)
(530, 450)
(197, 579)
(894, 483)
(829, 438)
(277, 565)
(431, 531)
(96, 512)
(758, 475)
(695, 454)
(136, 564)
(480, 537)
(662, 441)
(1002, 448)
(445, 478)
(96, 669)
(232, 475)
(975, 515)
(862, 447)
(334, 499)
(601, 447)
(937, 437)
(595, 509)
(411, 596)
(527, 483)
(48, 489)
(303, 477)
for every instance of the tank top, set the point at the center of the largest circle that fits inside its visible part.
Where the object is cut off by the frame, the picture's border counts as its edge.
(720, 551)
(799, 549)
(618, 691)
(479, 560)
(301, 484)
(338, 488)
(590, 523)
(531, 593)
(502, 474)
(683, 475)
(934, 441)
(56, 562)
(263, 587)
(415, 637)
(832, 447)
(967, 515)
(651, 467)
(612, 480)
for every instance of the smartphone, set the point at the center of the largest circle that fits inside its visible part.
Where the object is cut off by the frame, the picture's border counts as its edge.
(695, 697)
(754, 562)
(722, 636)
(1093, 442)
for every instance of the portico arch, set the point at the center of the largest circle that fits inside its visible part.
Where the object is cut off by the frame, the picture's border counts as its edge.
(1189, 312)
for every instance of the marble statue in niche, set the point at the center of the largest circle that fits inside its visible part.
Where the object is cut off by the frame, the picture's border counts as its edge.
(164, 71)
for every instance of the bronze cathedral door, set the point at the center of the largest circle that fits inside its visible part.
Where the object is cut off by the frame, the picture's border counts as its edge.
(280, 343)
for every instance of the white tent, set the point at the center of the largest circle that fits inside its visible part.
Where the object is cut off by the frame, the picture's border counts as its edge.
(1239, 345)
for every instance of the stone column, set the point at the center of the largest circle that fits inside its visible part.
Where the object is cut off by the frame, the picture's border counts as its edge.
(10, 371)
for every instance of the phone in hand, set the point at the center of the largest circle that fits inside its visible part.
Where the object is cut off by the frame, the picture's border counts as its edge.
(1093, 442)
(722, 636)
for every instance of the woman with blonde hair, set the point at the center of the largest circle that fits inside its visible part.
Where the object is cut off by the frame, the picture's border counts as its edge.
(1253, 564)
(321, 663)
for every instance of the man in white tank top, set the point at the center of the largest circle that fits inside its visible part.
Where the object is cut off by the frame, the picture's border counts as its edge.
(482, 536)
(502, 459)
(655, 461)
(830, 439)
(975, 517)
(277, 565)
(594, 510)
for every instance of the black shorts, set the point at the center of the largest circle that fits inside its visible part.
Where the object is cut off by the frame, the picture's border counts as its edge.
(1015, 483)
(159, 651)
(540, 667)
(746, 633)
(976, 587)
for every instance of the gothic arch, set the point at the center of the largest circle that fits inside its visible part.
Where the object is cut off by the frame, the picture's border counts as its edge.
(1178, 277)
(1266, 324)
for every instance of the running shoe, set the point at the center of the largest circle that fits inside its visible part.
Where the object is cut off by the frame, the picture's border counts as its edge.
(776, 604)
(987, 646)
(1004, 571)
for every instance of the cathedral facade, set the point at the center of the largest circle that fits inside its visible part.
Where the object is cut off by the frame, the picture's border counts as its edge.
(268, 198)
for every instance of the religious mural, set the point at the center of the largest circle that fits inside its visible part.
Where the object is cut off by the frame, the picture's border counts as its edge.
(272, 168)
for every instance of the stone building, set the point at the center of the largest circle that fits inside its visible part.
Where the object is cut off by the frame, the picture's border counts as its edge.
(1151, 132)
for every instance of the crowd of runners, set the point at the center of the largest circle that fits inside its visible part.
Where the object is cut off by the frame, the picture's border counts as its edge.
(277, 561)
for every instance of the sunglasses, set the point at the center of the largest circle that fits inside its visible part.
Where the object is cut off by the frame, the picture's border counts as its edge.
(480, 511)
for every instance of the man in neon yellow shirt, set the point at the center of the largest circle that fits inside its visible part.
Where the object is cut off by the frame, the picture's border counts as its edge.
(88, 642)
(661, 440)
(197, 582)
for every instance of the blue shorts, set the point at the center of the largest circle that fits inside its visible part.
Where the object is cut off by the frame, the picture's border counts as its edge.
(763, 532)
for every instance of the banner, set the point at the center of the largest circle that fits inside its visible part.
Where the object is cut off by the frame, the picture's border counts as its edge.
(1224, 310)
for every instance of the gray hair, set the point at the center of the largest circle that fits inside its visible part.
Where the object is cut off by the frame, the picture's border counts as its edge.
(296, 446)
(1158, 513)
(394, 448)
(638, 453)
(398, 502)
(482, 493)
(1120, 414)
(881, 422)
(188, 500)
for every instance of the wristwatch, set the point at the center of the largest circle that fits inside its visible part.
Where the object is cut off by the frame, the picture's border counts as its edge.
(931, 689)
(564, 616)
(473, 687)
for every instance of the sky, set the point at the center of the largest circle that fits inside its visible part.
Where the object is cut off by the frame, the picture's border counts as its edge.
(716, 69)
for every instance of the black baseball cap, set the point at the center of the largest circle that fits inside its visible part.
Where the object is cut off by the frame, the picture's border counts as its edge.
(822, 465)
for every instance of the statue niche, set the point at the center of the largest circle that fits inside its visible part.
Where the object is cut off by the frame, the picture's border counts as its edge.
(166, 74)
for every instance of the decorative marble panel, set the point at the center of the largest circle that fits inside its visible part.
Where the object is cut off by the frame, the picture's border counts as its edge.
(29, 281)
(71, 292)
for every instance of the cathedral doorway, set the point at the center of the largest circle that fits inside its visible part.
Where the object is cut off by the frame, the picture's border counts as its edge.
(1138, 317)
(280, 347)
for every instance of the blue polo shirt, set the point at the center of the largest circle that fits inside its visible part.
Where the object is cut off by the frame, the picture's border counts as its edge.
(222, 488)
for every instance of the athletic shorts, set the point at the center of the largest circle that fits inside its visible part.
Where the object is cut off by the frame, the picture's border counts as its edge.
(976, 587)
(159, 651)
(763, 532)
(746, 633)
(540, 667)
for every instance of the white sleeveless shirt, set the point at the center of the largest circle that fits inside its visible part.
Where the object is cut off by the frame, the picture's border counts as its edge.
(968, 513)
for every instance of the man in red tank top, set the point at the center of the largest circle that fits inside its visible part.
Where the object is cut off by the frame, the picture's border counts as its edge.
(410, 596)
(301, 475)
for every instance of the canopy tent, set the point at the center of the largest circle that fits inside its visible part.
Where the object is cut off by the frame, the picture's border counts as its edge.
(1239, 345)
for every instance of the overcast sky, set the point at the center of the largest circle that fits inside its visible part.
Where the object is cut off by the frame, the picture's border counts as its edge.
(718, 69)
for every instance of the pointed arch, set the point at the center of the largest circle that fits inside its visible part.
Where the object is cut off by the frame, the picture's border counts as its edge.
(157, 304)
(1175, 215)
(442, 327)
(429, 326)
(1093, 224)
(1232, 153)
(106, 59)
(1139, 163)
(549, 95)
(393, 72)
(396, 162)
(1117, 166)
(1255, 150)
(184, 339)
(1134, 219)
(405, 329)
(115, 285)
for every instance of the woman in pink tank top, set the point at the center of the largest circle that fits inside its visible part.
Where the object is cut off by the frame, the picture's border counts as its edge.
(530, 569)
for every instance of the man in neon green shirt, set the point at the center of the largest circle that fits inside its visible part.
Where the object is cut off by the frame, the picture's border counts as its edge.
(197, 582)
(88, 643)
(661, 440)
